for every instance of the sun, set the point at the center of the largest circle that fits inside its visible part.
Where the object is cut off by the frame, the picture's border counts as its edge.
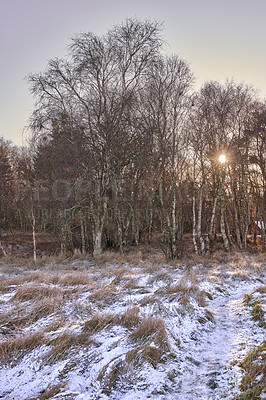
(222, 158)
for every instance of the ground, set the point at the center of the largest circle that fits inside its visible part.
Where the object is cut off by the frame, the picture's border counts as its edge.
(133, 328)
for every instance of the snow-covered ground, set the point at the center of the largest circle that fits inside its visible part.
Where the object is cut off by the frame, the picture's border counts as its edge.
(127, 331)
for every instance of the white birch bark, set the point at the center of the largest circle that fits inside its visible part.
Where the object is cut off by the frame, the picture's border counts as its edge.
(194, 224)
(199, 232)
(223, 230)
(33, 221)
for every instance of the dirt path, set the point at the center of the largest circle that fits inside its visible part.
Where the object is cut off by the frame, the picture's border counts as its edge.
(210, 374)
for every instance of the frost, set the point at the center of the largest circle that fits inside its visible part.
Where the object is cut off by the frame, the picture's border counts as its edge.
(206, 321)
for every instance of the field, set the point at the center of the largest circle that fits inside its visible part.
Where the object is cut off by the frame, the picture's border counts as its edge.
(133, 327)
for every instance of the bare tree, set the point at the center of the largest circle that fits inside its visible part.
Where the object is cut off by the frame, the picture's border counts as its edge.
(166, 105)
(217, 126)
(96, 86)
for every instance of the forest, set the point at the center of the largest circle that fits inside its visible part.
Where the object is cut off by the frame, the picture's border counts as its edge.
(124, 151)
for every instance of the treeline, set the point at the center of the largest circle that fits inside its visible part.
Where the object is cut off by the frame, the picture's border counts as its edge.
(124, 151)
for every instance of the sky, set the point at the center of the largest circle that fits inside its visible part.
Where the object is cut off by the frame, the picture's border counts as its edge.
(220, 39)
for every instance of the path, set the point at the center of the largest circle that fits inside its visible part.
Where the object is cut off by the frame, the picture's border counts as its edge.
(209, 376)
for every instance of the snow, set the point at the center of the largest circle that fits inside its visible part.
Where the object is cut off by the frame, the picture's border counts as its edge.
(30, 376)
(205, 340)
(219, 346)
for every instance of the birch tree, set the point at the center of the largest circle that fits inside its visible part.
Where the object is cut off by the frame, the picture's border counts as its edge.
(165, 108)
(217, 126)
(96, 86)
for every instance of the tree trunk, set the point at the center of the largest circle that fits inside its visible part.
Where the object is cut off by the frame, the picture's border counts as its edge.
(194, 224)
(3, 250)
(237, 227)
(223, 230)
(33, 220)
(97, 241)
(210, 235)
(82, 234)
(173, 226)
(99, 215)
(63, 240)
(201, 240)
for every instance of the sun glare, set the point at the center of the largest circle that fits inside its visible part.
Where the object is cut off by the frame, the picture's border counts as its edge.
(222, 158)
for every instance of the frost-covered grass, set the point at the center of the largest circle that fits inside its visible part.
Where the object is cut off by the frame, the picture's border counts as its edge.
(253, 382)
(129, 328)
(257, 302)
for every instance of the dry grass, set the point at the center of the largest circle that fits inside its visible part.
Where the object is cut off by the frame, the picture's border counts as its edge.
(261, 258)
(136, 256)
(148, 335)
(131, 284)
(188, 288)
(193, 260)
(60, 346)
(257, 310)
(50, 391)
(161, 275)
(18, 317)
(258, 313)
(110, 375)
(75, 279)
(105, 294)
(155, 305)
(183, 292)
(261, 289)
(122, 275)
(156, 257)
(37, 292)
(44, 277)
(13, 320)
(130, 318)
(147, 353)
(29, 263)
(201, 297)
(68, 279)
(66, 342)
(152, 354)
(99, 322)
(55, 325)
(108, 257)
(152, 329)
(208, 317)
(242, 262)
(179, 288)
(254, 379)
(18, 347)
(43, 308)
(151, 268)
(7, 284)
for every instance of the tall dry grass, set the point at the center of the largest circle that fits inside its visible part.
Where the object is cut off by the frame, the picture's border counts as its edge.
(15, 349)
(153, 329)
(99, 322)
(37, 292)
(50, 392)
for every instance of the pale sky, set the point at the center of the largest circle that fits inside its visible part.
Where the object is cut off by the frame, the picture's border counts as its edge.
(221, 39)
